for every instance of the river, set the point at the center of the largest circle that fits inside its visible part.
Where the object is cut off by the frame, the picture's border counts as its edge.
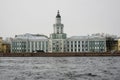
(59, 68)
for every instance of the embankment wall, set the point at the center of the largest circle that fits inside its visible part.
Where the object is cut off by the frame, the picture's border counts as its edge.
(57, 54)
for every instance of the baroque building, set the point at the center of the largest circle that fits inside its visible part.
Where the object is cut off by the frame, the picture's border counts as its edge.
(29, 43)
(58, 41)
(86, 44)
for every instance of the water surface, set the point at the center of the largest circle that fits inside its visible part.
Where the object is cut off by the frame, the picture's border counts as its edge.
(59, 68)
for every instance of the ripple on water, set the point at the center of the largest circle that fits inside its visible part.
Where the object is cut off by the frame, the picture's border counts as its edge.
(60, 68)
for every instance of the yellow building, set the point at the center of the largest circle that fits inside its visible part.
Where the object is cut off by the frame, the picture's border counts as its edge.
(115, 47)
(4, 46)
(0, 44)
(118, 44)
(112, 44)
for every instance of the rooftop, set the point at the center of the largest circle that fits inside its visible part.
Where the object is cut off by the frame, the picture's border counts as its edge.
(31, 36)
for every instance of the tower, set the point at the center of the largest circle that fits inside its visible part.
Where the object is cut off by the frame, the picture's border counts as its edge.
(58, 37)
(58, 28)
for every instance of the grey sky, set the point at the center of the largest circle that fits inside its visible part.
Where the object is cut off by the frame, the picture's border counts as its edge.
(80, 17)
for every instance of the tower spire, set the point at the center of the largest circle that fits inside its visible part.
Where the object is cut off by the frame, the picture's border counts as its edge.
(58, 14)
(58, 11)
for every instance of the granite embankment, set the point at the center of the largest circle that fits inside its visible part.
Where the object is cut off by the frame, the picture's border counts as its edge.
(58, 54)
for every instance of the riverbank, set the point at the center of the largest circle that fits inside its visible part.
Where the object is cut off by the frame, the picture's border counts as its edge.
(57, 54)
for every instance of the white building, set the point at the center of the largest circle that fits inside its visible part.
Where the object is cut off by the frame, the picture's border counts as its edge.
(58, 37)
(77, 44)
(86, 44)
(58, 41)
(29, 43)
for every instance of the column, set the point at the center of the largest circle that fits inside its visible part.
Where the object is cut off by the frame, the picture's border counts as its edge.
(69, 46)
(45, 46)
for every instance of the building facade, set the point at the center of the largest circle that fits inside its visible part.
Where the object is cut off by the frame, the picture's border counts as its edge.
(58, 37)
(4, 46)
(86, 44)
(58, 41)
(29, 43)
(0, 44)
(118, 44)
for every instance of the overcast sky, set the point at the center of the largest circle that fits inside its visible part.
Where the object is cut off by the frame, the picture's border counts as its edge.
(80, 17)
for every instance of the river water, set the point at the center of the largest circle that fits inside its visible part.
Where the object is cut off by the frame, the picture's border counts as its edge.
(59, 68)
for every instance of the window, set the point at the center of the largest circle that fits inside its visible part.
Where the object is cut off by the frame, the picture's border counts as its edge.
(79, 50)
(82, 41)
(82, 49)
(75, 45)
(68, 42)
(35, 44)
(75, 42)
(82, 45)
(68, 50)
(57, 46)
(75, 50)
(71, 50)
(57, 31)
(67, 45)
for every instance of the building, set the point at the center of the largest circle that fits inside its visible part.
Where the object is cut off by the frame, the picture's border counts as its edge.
(77, 44)
(28, 43)
(111, 44)
(0, 44)
(97, 44)
(86, 44)
(118, 44)
(58, 37)
(58, 41)
(4, 46)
